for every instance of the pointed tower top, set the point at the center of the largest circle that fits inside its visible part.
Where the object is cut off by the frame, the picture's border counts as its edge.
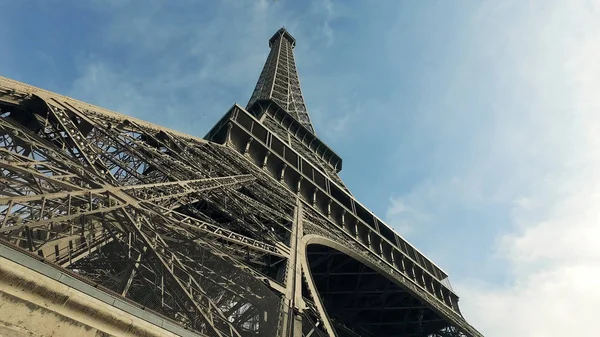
(282, 32)
(278, 81)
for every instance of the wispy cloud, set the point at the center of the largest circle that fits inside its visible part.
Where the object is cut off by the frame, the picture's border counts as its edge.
(166, 65)
(330, 14)
(539, 166)
(473, 129)
(199, 57)
(334, 119)
(402, 217)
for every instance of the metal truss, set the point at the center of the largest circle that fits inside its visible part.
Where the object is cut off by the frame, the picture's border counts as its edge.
(174, 225)
(279, 79)
(214, 235)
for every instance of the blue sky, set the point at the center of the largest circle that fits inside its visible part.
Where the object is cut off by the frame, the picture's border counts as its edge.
(472, 127)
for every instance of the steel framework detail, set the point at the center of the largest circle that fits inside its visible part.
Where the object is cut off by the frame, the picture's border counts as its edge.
(248, 231)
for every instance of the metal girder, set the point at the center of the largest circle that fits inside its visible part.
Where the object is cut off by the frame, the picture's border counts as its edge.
(53, 203)
(215, 232)
(210, 235)
(171, 263)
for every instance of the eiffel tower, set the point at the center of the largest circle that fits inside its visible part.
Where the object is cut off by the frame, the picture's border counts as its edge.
(248, 231)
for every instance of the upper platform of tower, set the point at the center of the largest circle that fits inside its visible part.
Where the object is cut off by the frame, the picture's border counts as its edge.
(278, 102)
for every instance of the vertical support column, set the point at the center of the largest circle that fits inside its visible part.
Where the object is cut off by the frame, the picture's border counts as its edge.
(228, 137)
(292, 321)
(248, 146)
(299, 184)
(402, 264)
(446, 296)
(264, 164)
(282, 172)
(437, 290)
(454, 302)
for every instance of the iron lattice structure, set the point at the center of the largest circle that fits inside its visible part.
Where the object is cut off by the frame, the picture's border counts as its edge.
(248, 231)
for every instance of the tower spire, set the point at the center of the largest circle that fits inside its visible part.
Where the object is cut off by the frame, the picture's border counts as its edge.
(278, 81)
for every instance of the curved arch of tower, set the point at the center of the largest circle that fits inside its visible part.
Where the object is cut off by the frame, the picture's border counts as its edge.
(116, 226)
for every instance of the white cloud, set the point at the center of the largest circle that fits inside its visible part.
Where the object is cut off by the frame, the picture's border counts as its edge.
(328, 32)
(335, 124)
(553, 147)
(173, 68)
(539, 158)
(555, 302)
(325, 9)
(123, 96)
(396, 216)
(341, 124)
(402, 217)
(542, 159)
(213, 59)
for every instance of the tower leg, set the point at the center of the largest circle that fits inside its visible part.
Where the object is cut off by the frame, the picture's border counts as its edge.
(292, 321)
